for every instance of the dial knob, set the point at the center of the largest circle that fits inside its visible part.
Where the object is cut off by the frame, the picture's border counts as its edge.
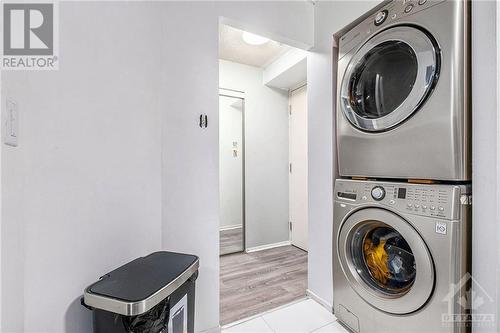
(380, 17)
(378, 193)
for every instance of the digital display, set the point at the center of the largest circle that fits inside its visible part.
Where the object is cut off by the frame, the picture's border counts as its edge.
(401, 193)
(345, 195)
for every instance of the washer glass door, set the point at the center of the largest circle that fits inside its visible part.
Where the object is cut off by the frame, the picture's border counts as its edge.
(388, 78)
(385, 260)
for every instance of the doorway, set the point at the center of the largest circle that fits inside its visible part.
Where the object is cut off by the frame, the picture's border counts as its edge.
(231, 172)
(263, 174)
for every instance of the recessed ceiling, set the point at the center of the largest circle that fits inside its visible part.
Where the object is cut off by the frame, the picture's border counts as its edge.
(233, 48)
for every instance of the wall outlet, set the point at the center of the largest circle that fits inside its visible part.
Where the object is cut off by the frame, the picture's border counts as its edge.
(11, 124)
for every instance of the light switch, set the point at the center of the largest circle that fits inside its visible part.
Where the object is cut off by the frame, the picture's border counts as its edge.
(11, 127)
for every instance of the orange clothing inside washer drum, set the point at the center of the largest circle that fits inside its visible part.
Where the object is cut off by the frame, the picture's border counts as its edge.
(377, 259)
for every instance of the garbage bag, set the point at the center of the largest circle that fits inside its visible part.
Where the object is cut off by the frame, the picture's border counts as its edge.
(153, 321)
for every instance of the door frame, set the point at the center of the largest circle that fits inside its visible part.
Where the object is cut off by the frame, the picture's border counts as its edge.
(225, 92)
(302, 85)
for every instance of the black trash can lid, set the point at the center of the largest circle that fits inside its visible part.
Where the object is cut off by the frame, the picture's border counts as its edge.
(138, 286)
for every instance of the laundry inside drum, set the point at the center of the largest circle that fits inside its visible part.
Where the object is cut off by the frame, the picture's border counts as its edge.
(388, 260)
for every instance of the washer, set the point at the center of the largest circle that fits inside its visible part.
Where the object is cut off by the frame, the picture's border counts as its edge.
(397, 250)
(402, 94)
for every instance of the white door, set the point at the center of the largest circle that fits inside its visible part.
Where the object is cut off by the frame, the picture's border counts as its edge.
(298, 168)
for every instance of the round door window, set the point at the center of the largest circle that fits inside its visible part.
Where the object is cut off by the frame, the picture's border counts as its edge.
(383, 259)
(383, 79)
(389, 78)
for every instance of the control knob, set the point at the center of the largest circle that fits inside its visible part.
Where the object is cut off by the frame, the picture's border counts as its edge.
(378, 193)
(380, 17)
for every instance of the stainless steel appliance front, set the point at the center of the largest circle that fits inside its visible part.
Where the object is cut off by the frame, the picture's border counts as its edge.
(402, 95)
(397, 249)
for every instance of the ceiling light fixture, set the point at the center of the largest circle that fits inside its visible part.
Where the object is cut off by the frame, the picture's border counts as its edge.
(254, 39)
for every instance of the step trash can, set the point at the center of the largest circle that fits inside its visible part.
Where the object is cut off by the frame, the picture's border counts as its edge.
(152, 294)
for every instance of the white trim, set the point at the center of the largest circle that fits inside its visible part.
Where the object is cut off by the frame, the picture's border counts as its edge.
(297, 87)
(267, 247)
(497, 295)
(231, 227)
(319, 300)
(231, 93)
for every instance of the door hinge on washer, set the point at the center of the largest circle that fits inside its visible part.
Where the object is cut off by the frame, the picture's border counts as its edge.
(290, 224)
(290, 167)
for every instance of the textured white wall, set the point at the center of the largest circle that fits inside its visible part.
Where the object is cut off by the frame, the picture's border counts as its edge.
(83, 189)
(486, 160)
(111, 163)
(266, 155)
(330, 17)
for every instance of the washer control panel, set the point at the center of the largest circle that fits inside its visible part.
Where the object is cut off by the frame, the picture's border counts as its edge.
(442, 201)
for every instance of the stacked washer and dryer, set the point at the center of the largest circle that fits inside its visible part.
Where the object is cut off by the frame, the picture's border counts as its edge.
(402, 206)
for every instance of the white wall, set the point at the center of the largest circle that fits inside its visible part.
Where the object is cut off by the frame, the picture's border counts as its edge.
(330, 17)
(82, 191)
(288, 71)
(266, 153)
(486, 158)
(111, 163)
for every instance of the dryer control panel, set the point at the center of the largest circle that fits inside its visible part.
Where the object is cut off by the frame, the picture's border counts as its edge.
(389, 14)
(442, 201)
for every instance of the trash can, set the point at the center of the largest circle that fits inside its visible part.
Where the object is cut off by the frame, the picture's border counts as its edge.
(152, 294)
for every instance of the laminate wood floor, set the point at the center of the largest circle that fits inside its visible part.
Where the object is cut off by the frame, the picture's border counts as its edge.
(231, 241)
(252, 283)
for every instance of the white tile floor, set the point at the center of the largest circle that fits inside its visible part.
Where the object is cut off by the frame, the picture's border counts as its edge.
(302, 317)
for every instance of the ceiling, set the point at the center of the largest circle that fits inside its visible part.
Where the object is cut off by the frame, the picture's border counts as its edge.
(233, 48)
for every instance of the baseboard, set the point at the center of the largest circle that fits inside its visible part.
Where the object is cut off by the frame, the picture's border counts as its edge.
(320, 300)
(267, 247)
(231, 227)
(212, 330)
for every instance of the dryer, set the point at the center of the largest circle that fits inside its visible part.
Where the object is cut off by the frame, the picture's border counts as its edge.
(402, 93)
(401, 256)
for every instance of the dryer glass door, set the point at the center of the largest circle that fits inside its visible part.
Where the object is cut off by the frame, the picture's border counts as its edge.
(389, 78)
(385, 260)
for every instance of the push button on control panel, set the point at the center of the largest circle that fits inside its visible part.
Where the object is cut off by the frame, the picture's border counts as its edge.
(408, 8)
